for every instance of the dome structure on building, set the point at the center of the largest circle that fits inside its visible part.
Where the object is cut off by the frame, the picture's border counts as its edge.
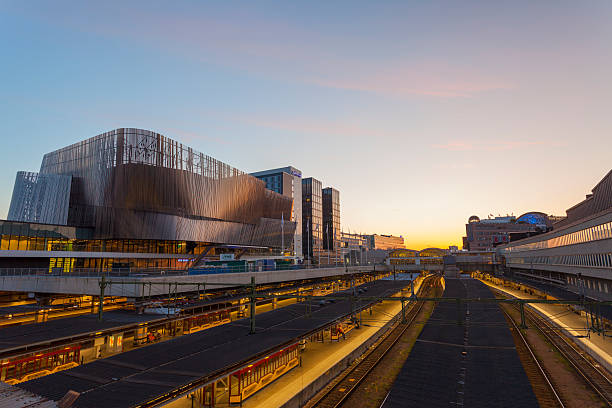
(473, 218)
(432, 252)
(534, 218)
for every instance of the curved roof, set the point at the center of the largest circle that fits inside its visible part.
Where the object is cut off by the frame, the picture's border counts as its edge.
(534, 217)
(432, 252)
(403, 253)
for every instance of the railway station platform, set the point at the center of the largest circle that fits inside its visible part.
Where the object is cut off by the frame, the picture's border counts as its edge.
(34, 350)
(167, 371)
(574, 325)
(319, 358)
(558, 292)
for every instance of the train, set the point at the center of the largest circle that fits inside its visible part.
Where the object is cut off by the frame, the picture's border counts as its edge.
(20, 369)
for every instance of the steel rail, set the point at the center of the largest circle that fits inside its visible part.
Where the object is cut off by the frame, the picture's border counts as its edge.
(593, 377)
(597, 380)
(541, 370)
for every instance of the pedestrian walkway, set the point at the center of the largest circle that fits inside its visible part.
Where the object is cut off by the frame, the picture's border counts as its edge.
(596, 345)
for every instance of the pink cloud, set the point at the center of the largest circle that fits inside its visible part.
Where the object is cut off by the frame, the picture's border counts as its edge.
(496, 145)
(425, 80)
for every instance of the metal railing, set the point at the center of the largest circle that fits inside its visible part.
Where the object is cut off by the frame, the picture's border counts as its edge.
(161, 272)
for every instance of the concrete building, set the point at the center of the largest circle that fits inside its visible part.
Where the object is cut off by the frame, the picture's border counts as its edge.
(576, 254)
(312, 218)
(385, 242)
(288, 182)
(354, 248)
(486, 234)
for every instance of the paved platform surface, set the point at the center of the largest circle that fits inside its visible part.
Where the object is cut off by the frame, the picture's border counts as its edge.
(559, 293)
(598, 346)
(143, 374)
(472, 364)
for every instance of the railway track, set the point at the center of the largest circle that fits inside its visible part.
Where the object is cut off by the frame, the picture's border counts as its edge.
(349, 381)
(593, 376)
(544, 389)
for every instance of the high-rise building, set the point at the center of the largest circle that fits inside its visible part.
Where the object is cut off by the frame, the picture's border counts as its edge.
(312, 217)
(331, 219)
(288, 182)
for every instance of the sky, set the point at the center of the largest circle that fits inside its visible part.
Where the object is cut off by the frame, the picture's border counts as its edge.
(420, 113)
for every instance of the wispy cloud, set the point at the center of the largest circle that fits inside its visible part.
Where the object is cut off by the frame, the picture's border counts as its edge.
(191, 136)
(493, 145)
(311, 126)
(273, 49)
(424, 79)
(454, 166)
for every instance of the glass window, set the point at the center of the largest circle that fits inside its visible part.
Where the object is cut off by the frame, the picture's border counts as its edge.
(14, 243)
(5, 242)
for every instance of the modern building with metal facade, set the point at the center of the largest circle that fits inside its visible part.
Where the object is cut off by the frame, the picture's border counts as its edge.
(137, 191)
(312, 217)
(577, 253)
(288, 182)
(40, 198)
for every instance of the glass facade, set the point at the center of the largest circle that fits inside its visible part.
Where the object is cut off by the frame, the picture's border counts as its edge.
(274, 182)
(288, 182)
(312, 217)
(68, 249)
(331, 219)
(597, 260)
(597, 232)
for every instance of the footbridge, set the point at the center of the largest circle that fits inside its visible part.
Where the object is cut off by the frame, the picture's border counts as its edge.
(435, 259)
(137, 284)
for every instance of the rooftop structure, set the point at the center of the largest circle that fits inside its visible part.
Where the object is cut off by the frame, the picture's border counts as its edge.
(598, 201)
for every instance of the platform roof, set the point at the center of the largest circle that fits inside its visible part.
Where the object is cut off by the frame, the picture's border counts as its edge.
(143, 374)
(58, 330)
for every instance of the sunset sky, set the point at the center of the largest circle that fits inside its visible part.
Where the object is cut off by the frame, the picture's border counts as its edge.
(420, 113)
